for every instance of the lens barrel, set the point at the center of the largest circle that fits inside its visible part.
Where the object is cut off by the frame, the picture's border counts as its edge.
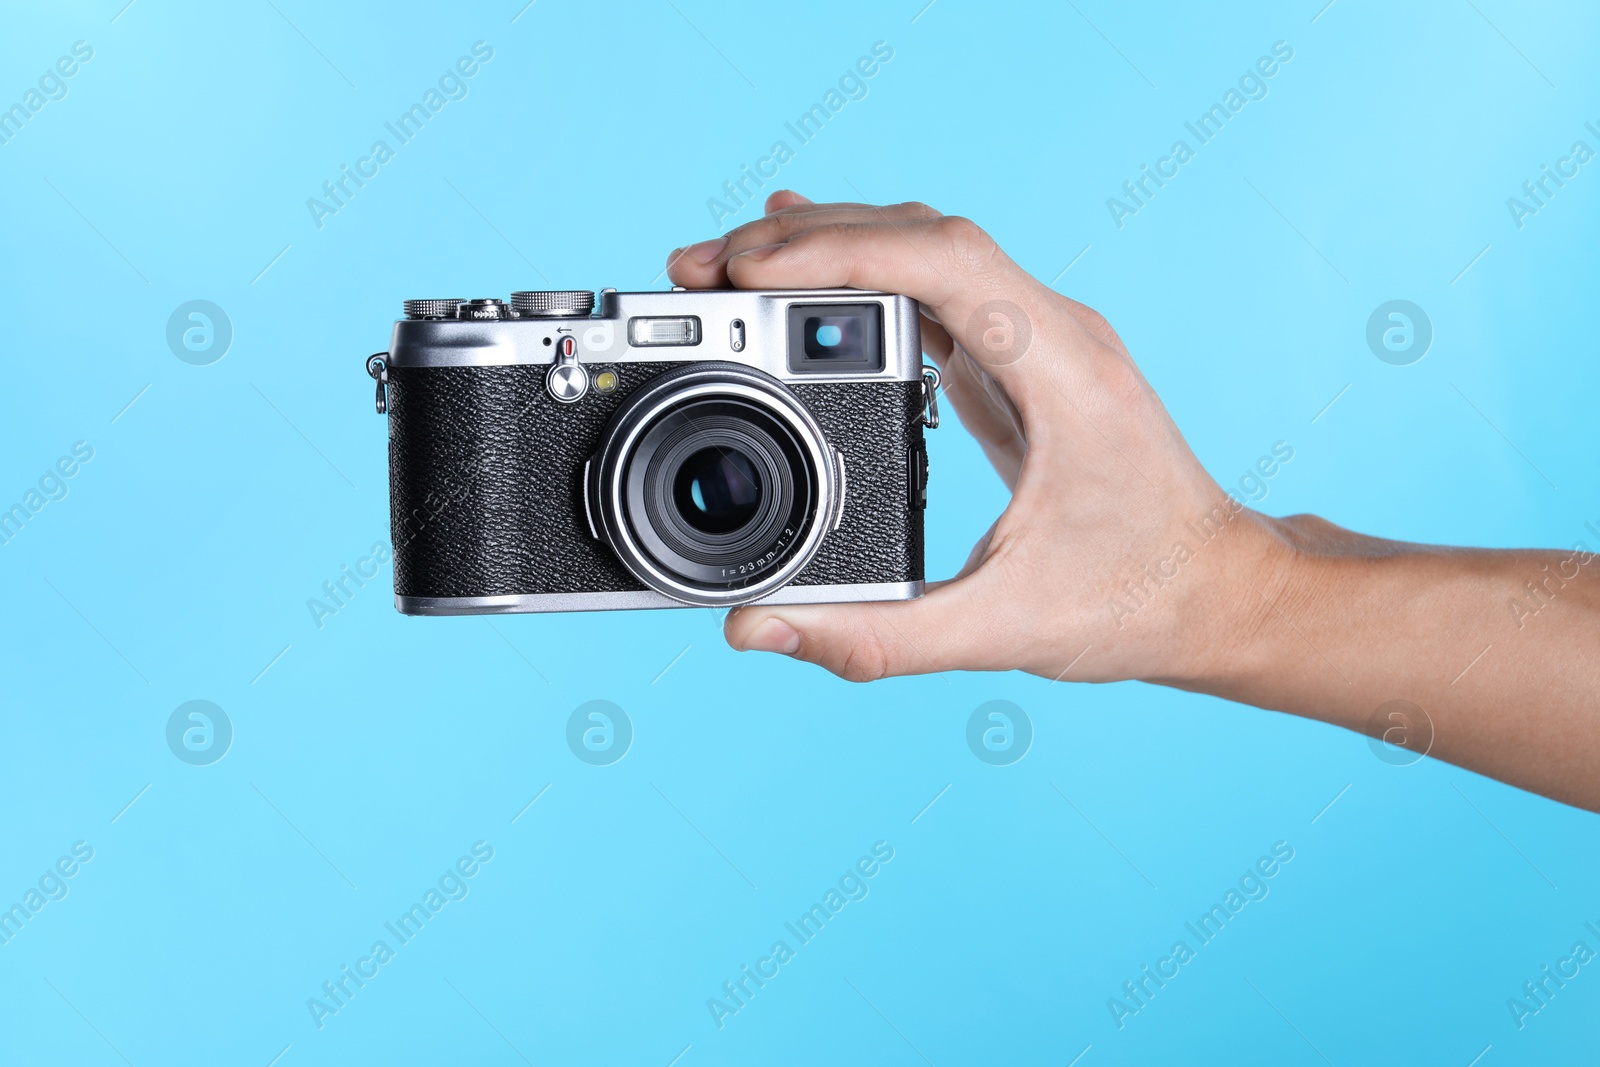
(714, 485)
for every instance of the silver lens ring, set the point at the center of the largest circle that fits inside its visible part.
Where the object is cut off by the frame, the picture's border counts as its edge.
(614, 485)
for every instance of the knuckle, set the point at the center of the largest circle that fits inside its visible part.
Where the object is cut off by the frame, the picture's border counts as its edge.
(843, 228)
(865, 660)
(769, 229)
(918, 210)
(1093, 320)
(1120, 383)
(1097, 326)
(763, 231)
(788, 223)
(837, 232)
(965, 241)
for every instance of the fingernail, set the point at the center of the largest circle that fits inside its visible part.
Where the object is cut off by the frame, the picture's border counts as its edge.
(759, 253)
(706, 251)
(774, 635)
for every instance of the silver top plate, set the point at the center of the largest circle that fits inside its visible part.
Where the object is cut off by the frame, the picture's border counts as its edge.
(604, 338)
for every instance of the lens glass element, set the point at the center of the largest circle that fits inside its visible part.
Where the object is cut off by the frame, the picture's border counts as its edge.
(717, 490)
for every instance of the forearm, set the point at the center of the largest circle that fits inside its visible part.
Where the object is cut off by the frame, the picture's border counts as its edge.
(1500, 649)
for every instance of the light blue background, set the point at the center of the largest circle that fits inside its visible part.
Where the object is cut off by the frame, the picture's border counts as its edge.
(377, 749)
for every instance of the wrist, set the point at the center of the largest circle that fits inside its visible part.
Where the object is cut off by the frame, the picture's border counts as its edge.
(1224, 628)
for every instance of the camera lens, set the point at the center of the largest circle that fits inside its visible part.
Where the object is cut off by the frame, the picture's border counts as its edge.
(714, 484)
(717, 490)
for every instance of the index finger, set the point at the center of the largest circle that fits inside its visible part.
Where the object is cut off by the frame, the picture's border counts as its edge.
(947, 263)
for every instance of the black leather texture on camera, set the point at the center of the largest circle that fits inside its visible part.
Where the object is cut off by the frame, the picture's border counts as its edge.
(875, 425)
(486, 472)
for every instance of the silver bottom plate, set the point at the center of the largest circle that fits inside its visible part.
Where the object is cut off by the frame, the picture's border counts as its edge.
(519, 603)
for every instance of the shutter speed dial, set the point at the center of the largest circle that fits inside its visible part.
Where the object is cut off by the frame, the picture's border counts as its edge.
(553, 303)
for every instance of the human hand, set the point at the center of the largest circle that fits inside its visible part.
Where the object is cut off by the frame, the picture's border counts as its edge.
(1104, 487)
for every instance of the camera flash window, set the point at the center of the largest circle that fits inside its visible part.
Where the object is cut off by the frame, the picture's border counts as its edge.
(674, 330)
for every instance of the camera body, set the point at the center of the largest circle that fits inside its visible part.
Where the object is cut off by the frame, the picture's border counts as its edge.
(685, 448)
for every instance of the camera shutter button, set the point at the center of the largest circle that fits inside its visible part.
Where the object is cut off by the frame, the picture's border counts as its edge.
(568, 379)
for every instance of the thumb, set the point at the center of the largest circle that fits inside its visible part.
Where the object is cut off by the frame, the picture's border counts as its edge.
(863, 642)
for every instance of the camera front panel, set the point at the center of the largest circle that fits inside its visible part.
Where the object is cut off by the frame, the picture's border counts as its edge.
(488, 458)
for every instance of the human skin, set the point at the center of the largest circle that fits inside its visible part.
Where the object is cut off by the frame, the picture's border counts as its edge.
(1500, 648)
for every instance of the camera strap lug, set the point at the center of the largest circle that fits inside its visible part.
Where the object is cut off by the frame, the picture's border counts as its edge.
(378, 367)
(930, 396)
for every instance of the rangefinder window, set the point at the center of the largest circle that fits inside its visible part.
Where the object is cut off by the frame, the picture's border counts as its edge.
(835, 338)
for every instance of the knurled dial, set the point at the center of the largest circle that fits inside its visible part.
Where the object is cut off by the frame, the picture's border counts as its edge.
(432, 309)
(553, 303)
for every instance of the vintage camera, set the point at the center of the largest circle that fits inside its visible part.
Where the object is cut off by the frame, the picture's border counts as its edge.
(707, 448)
